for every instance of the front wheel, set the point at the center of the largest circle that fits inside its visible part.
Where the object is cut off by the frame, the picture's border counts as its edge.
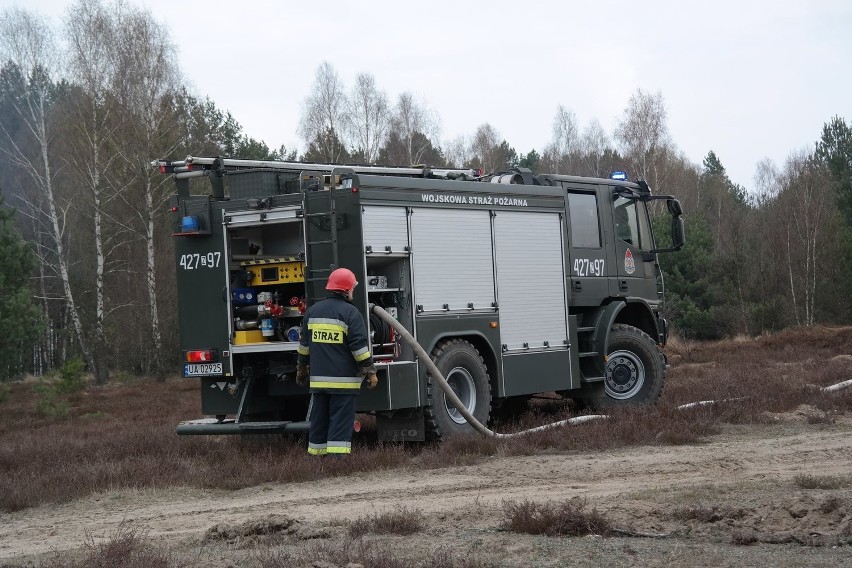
(464, 370)
(635, 371)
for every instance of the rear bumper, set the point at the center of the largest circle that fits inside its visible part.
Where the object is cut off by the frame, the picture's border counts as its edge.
(213, 427)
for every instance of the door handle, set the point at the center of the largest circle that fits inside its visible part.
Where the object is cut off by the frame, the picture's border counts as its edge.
(576, 286)
(622, 285)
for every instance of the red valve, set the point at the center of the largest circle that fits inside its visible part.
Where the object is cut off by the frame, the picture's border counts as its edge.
(274, 309)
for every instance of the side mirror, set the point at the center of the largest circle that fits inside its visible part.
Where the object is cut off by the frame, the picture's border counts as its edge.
(678, 232)
(674, 207)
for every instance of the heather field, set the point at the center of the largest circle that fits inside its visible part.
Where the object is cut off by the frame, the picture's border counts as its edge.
(95, 476)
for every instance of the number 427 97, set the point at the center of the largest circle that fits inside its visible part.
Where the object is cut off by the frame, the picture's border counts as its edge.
(196, 261)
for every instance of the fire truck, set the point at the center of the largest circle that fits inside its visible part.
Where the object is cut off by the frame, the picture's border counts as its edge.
(515, 283)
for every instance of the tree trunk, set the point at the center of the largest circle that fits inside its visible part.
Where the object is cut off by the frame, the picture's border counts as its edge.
(156, 360)
(792, 284)
(99, 368)
(57, 237)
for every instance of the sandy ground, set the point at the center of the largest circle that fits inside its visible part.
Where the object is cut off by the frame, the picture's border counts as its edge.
(731, 501)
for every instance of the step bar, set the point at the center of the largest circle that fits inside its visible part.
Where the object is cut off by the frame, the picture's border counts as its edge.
(212, 426)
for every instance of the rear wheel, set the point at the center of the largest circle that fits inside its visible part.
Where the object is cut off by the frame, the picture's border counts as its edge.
(635, 371)
(464, 370)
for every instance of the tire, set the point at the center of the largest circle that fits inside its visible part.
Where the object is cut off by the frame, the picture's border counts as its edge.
(635, 370)
(462, 367)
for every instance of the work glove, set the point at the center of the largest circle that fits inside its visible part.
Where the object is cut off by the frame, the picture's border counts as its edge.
(372, 380)
(369, 374)
(303, 372)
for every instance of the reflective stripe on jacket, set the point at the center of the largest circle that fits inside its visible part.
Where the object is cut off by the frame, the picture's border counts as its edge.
(335, 338)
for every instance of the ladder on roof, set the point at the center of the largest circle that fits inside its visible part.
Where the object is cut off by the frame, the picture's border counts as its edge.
(195, 163)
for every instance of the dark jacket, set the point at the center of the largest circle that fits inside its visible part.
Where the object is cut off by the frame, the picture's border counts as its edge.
(334, 337)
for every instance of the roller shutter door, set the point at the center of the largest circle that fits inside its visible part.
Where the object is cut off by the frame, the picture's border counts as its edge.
(451, 256)
(530, 280)
(385, 227)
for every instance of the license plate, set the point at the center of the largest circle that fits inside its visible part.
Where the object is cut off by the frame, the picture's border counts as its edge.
(201, 369)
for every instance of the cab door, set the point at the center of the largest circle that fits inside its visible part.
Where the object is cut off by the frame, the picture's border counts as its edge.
(587, 264)
(636, 276)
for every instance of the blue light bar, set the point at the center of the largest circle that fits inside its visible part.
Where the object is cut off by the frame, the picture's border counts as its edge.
(620, 176)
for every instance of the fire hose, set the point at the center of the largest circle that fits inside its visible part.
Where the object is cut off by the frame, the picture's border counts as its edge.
(479, 426)
(448, 390)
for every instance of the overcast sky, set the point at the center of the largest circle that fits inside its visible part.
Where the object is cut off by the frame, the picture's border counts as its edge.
(747, 79)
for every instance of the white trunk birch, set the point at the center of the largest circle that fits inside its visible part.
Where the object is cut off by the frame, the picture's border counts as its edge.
(26, 40)
(90, 30)
(146, 76)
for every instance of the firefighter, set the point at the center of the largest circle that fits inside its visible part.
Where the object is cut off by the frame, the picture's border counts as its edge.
(334, 353)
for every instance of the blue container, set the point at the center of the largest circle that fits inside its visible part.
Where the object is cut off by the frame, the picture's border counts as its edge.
(189, 224)
(293, 334)
(244, 296)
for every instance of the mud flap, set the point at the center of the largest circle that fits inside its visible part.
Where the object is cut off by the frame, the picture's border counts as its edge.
(404, 426)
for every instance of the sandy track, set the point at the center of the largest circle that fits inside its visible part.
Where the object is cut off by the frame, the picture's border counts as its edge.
(741, 457)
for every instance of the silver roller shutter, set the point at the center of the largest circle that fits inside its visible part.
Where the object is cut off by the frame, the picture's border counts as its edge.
(530, 280)
(451, 256)
(385, 227)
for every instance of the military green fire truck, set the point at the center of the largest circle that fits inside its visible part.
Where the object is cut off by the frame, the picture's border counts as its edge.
(516, 284)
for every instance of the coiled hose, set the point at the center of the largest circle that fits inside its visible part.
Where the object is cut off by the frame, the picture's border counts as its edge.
(451, 396)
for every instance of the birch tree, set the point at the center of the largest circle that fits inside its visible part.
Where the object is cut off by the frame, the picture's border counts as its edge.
(144, 81)
(807, 201)
(486, 151)
(324, 115)
(368, 117)
(91, 43)
(457, 152)
(643, 134)
(563, 143)
(28, 43)
(413, 128)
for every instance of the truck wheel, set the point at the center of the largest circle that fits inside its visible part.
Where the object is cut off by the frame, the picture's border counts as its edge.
(635, 371)
(464, 370)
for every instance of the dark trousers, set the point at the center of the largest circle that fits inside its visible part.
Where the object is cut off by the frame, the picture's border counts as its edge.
(332, 418)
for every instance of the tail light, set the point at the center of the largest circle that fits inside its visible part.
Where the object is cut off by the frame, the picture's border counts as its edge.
(200, 356)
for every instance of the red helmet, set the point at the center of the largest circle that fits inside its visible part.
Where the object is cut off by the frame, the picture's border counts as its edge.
(341, 280)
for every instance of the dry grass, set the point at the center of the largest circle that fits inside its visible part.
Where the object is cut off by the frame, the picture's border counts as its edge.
(122, 435)
(773, 373)
(401, 521)
(126, 547)
(823, 481)
(130, 548)
(565, 518)
(367, 555)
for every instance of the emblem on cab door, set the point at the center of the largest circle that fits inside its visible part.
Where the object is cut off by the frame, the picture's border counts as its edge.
(629, 264)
